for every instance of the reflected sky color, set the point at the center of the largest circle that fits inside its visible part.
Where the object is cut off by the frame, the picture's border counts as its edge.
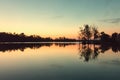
(58, 63)
(57, 17)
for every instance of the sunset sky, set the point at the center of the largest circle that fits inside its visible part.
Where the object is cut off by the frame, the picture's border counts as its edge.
(56, 18)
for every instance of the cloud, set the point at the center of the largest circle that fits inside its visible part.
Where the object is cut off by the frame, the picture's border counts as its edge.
(114, 20)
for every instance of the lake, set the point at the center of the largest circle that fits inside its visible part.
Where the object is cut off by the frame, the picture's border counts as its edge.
(59, 61)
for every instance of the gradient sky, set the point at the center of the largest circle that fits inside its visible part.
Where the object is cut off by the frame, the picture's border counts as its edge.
(58, 17)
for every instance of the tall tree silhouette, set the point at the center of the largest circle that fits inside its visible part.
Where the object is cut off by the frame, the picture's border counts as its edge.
(86, 32)
(95, 32)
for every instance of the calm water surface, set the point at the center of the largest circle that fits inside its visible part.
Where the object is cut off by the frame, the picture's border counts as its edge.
(59, 62)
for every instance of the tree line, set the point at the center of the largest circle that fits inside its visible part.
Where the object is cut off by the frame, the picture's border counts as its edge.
(91, 34)
(87, 34)
(13, 37)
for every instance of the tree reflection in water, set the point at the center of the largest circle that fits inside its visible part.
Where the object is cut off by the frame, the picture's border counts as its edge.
(91, 51)
(86, 51)
(22, 46)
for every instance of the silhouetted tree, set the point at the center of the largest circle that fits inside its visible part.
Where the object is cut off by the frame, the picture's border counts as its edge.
(95, 32)
(114, 37)
(9, 37)
(105, 37)
(86, 32)
(22, 35)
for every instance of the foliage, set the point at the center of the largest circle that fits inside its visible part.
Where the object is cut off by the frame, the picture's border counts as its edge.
(9, 37)
(87, 32)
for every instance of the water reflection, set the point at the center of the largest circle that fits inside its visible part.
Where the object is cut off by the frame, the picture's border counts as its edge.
(59, 61)
(22, 46)
(86, 51)
(91, 51)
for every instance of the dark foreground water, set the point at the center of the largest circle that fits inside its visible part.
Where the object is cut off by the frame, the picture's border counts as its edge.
(60, 61)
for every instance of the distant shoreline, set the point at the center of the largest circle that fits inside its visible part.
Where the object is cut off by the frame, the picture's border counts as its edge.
(36, 42)
(99, 42)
